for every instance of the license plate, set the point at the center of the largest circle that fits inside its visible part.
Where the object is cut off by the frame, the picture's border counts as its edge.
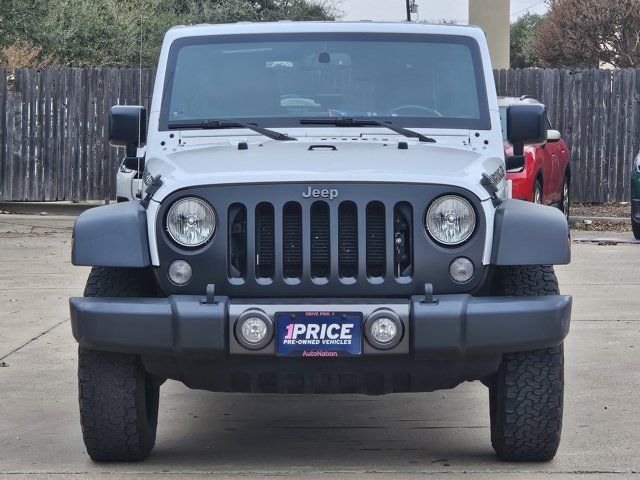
(319, 334)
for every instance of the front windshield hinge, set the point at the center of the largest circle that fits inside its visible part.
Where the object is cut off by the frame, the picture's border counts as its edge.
(491, 188)
(153, 187)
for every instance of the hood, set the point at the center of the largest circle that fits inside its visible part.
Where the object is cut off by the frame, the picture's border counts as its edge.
(322, 162)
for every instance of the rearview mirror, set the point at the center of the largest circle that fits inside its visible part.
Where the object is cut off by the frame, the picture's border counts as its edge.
(128, 128)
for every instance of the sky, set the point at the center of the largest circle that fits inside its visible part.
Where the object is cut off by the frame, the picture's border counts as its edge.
(429, 10)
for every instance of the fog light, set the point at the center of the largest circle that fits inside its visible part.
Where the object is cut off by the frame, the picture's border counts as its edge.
(180, 272)
(461, 270)
(383, 329)
(254, 329)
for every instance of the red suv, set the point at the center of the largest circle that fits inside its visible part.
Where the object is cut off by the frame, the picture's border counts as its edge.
(546, 177)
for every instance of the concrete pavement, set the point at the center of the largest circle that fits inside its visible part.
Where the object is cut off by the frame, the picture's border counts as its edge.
(201, 434)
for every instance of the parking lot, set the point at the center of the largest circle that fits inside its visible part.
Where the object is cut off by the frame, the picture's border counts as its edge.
(399, 436)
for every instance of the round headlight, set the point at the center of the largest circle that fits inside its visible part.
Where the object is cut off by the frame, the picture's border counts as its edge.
(450, 220)
(191, 222)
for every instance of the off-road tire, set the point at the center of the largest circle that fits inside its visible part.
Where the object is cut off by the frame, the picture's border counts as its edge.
(118, 399)
(636, 229)
(526, 394)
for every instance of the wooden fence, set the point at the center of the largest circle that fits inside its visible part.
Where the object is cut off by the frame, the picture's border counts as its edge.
(53, 127)
(598, 114)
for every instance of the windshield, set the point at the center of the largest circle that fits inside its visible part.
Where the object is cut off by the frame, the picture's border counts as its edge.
(277, 80)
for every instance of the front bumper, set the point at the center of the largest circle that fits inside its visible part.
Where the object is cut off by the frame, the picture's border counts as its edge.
(452, 326)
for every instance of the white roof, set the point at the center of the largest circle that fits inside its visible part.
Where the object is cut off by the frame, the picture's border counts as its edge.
(318, 27)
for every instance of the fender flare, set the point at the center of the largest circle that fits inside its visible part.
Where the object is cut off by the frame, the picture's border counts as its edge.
(530, 234)
(112, 236)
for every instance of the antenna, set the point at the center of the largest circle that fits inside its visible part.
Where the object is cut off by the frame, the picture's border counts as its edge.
(140, 3)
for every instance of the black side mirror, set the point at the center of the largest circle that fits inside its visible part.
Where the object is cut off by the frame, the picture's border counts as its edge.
(515, 162)
(526, 124)
(128, 128)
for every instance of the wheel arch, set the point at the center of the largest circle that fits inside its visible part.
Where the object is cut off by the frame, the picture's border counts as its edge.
(530, 234)
(112, 236)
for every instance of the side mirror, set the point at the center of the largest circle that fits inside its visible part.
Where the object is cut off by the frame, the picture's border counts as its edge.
(515, 162)
(134, 163)
(526, 124)
(128, 128)
(553, 136)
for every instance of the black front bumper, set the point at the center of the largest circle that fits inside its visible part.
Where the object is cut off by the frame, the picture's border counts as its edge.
(456, 338)
(453, 326)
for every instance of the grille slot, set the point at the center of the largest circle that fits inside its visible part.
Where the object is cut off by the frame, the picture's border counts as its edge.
(402, 241)
(320, 246)
(292, 240)
(376, 244)
(348, 240)
(265, 241)
(237, 264)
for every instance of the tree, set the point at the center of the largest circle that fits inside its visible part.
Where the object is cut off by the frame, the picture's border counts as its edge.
(587, 33)
(95, 33)
(524, 32)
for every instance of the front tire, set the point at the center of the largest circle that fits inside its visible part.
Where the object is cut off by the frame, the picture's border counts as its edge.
(118, 406)
(526, 394)
(118, 398)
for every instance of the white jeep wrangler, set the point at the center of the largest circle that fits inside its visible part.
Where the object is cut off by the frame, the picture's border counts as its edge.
(324, 210)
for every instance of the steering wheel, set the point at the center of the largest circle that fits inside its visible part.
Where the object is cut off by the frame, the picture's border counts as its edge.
(431, 111)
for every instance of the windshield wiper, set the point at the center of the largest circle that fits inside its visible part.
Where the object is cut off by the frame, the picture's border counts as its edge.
(358, 122)
(222, 124)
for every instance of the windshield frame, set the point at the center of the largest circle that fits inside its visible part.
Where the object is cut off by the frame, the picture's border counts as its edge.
(481, 123)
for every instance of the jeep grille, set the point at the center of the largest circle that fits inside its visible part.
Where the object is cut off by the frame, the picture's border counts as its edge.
(320, 240)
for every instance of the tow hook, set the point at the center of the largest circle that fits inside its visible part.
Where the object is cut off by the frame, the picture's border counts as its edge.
(211, 294)
(428, 295)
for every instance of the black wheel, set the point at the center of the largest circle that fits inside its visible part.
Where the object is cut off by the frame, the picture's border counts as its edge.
(118, 399)
(526, 394)
(536, 195)
(636, 229)
(565, 200)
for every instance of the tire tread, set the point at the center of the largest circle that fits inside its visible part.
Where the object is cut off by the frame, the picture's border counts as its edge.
(526, 394)
(118, 399)
(112, 386)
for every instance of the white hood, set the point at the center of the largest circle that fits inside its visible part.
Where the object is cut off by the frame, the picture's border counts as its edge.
(298, 161)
